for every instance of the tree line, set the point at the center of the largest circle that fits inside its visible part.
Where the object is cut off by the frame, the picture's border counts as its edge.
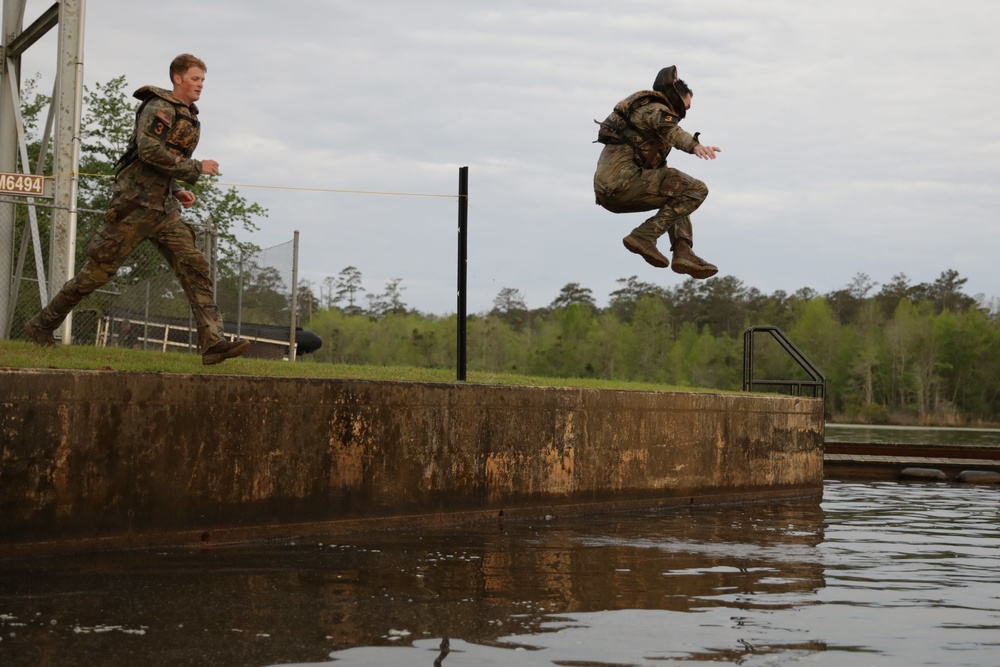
(908, 353)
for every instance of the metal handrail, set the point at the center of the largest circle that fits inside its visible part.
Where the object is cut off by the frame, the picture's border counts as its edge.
(817, 383)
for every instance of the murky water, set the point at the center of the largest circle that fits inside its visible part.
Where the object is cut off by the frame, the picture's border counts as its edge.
(879, 573)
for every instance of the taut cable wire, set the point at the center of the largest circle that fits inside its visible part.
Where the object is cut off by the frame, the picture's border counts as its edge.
(302, 189)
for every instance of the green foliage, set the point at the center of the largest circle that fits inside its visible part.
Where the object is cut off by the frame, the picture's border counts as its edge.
(388, 302)
(108, 120)
(573, 293)
(623, 300)
(348, 289)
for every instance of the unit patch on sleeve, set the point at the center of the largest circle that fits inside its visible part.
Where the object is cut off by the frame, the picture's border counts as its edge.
(159, 126)
(669, 119)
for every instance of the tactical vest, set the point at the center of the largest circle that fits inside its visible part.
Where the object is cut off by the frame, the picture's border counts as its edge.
(180, 137)
(618, 128)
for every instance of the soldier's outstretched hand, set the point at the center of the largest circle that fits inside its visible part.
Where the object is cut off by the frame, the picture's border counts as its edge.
(706, 152)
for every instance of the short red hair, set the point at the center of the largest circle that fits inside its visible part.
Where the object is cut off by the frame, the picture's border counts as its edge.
(182, 63)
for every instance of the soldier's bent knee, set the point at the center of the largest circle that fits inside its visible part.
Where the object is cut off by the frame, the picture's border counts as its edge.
(699, 189)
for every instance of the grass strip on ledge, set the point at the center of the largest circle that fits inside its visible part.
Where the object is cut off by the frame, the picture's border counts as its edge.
(20, 354)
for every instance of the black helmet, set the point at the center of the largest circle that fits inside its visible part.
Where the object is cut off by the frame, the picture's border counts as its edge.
(665, 79)
(666, 83)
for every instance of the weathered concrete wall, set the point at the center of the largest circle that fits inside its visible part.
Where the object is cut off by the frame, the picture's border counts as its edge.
(92, 458)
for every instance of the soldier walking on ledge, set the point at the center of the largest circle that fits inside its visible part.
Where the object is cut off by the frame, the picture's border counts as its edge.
(632, 173)
(146, 201)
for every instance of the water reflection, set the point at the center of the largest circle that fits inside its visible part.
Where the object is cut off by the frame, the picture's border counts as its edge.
(908, 435)
(880, 573)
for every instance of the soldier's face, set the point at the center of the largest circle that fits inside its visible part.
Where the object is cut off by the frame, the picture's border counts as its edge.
(687, 101)
(188, 86)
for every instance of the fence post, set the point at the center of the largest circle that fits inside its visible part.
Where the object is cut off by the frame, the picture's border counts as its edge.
(239, 298)
(145, 324)
(295, 296)
(463, 252)
(212, 253)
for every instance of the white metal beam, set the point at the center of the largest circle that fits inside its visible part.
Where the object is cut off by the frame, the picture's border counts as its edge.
(66, 159)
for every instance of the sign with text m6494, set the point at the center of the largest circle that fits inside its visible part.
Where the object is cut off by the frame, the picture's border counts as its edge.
(23, 184)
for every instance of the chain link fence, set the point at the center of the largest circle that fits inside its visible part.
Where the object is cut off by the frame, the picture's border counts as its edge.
(258, 291)
(144, 306)
(22, 278)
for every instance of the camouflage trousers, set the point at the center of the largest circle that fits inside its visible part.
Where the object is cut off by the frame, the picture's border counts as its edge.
(672, 193)
(126, 225)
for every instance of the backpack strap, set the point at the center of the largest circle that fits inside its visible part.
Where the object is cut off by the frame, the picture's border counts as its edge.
(146, 94)
(613, 129)
(131, 153)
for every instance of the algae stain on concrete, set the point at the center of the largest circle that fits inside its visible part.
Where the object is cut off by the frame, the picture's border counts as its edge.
(348, 445)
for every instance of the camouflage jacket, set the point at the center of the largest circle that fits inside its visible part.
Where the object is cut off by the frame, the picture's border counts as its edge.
(644, 128)
(159, 154)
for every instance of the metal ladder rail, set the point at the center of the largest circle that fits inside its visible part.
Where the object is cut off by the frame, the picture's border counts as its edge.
(818, 381)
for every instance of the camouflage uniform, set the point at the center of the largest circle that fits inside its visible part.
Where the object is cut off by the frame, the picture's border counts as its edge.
(623, 185)
(143, 206)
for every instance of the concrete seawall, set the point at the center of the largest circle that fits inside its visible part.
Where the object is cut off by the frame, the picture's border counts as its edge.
(93, 459)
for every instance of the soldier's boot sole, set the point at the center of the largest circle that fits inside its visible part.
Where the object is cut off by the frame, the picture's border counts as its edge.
(696, 268)
(38, 335)
(647, 250)
(224, 350)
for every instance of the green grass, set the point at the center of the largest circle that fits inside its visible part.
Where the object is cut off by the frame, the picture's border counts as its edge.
(18, 354)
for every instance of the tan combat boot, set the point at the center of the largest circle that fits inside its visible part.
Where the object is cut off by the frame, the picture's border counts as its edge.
(40, 336)
(647, 249)
(224, 350)
(685, 261)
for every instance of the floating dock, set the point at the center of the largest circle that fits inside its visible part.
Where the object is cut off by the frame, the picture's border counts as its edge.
(883, 460)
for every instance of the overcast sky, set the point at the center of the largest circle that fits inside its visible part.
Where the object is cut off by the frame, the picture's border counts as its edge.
(857, 136)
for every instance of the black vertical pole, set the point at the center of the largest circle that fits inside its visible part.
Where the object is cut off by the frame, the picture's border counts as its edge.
(463, 255)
